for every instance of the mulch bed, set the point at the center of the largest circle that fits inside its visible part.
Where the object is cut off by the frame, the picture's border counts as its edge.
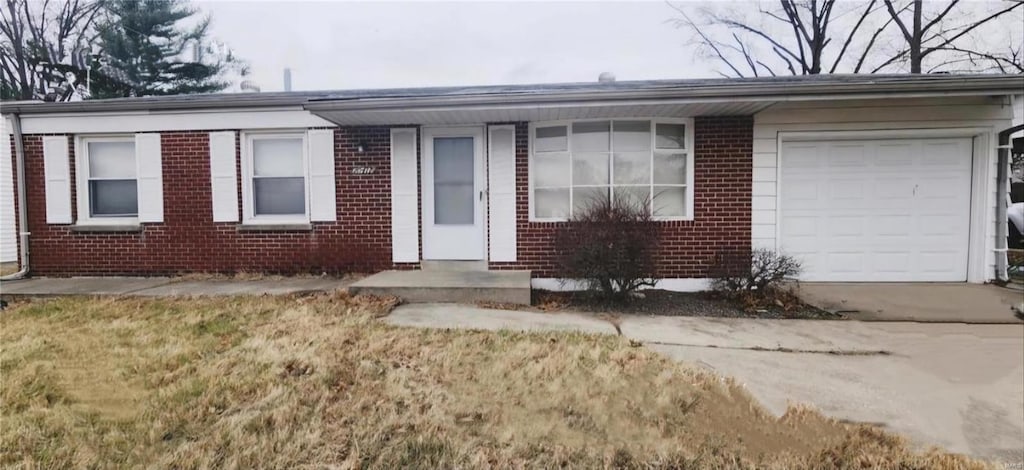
(669, 303)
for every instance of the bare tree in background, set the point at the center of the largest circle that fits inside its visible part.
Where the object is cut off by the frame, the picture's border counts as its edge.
(798, 34)
(42, 43)
(948, 30)
(807, 37)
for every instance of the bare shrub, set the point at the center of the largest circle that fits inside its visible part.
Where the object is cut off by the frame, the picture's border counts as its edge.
(758, 271)
(609, 245)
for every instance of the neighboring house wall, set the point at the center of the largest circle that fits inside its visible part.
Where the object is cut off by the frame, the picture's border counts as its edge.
(189, 241)
(8, 231)
(989, 115)
(722, 178)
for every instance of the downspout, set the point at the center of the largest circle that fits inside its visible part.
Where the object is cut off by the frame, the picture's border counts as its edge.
(1003, 164)
(19, 152)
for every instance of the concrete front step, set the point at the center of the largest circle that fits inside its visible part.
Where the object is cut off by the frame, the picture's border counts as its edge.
(511, 287)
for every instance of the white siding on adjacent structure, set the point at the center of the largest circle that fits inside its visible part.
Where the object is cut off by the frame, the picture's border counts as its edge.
(979, 118)
(8, 235)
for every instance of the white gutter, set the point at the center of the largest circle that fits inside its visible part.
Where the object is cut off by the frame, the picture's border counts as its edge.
(19, 151)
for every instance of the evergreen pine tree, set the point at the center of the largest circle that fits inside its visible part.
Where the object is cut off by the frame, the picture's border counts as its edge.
(146, 50)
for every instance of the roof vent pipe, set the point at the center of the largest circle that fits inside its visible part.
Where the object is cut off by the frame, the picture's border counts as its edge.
(287, 79)
(606, 77)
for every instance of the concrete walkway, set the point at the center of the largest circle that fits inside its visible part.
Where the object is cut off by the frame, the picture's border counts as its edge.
(166, 286)
(958, 386)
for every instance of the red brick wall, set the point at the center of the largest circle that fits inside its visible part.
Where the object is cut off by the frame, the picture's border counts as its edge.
(360, 241)
(189, 241)
(723, 167)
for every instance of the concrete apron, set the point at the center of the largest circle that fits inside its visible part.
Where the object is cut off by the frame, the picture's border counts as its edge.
(917, 302)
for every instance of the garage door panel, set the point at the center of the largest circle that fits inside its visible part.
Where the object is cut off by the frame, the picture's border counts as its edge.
(877, 210)
(890, 262)
(895, 225)
(845, 226)
(945, 153)
(897, 154)
(894, 189)
(847, 189)
(803, 156)
(847, 155)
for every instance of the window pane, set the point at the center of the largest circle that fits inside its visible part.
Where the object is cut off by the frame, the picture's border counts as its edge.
(109, 160)
(551, 203)
(631, 135)
(589, 168)
(453, 180)
(634, 195)
(277, 157)
(671, 136)
(590, 137)
(632, 168)
(582, 198)
(669, 201)
(551, 170)
(279, 196)
(112, 198)
(669, 168)
(550, 139)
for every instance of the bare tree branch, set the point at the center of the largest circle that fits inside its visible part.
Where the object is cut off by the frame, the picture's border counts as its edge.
(849, 37)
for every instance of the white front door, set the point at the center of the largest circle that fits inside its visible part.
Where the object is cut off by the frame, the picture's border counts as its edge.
(453, 193)
(877, 210)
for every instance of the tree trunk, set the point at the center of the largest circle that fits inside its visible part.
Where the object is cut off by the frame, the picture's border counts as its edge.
(915, 42)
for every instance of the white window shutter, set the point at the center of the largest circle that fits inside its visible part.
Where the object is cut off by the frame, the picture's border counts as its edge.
(57, 173)
(223, 183)
(150, 177)
(405, 230)
(502, 192)
(322, 198)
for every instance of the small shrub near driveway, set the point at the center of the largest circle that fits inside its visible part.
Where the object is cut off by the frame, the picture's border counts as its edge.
(609, 245)
(754, 277)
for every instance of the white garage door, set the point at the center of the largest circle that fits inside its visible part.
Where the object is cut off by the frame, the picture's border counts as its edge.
(877, 210)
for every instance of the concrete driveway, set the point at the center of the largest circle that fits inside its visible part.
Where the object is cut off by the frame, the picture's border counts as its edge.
(957, 386)
(919, 302)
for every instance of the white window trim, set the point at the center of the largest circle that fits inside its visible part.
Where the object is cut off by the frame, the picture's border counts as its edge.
(689, 150)
(248, 210)
(82, 180)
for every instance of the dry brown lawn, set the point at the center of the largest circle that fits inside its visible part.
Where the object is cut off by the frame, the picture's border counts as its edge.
(314, 382)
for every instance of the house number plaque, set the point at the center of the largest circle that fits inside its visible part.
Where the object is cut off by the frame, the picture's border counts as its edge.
(363, 170)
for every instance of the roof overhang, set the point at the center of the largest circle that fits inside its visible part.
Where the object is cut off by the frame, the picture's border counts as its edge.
(723, 99)
(507, 103)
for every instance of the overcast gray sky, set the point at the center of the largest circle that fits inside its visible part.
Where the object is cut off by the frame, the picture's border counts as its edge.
(335, 44)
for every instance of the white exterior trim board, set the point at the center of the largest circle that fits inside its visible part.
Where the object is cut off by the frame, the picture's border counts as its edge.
(127, 123)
